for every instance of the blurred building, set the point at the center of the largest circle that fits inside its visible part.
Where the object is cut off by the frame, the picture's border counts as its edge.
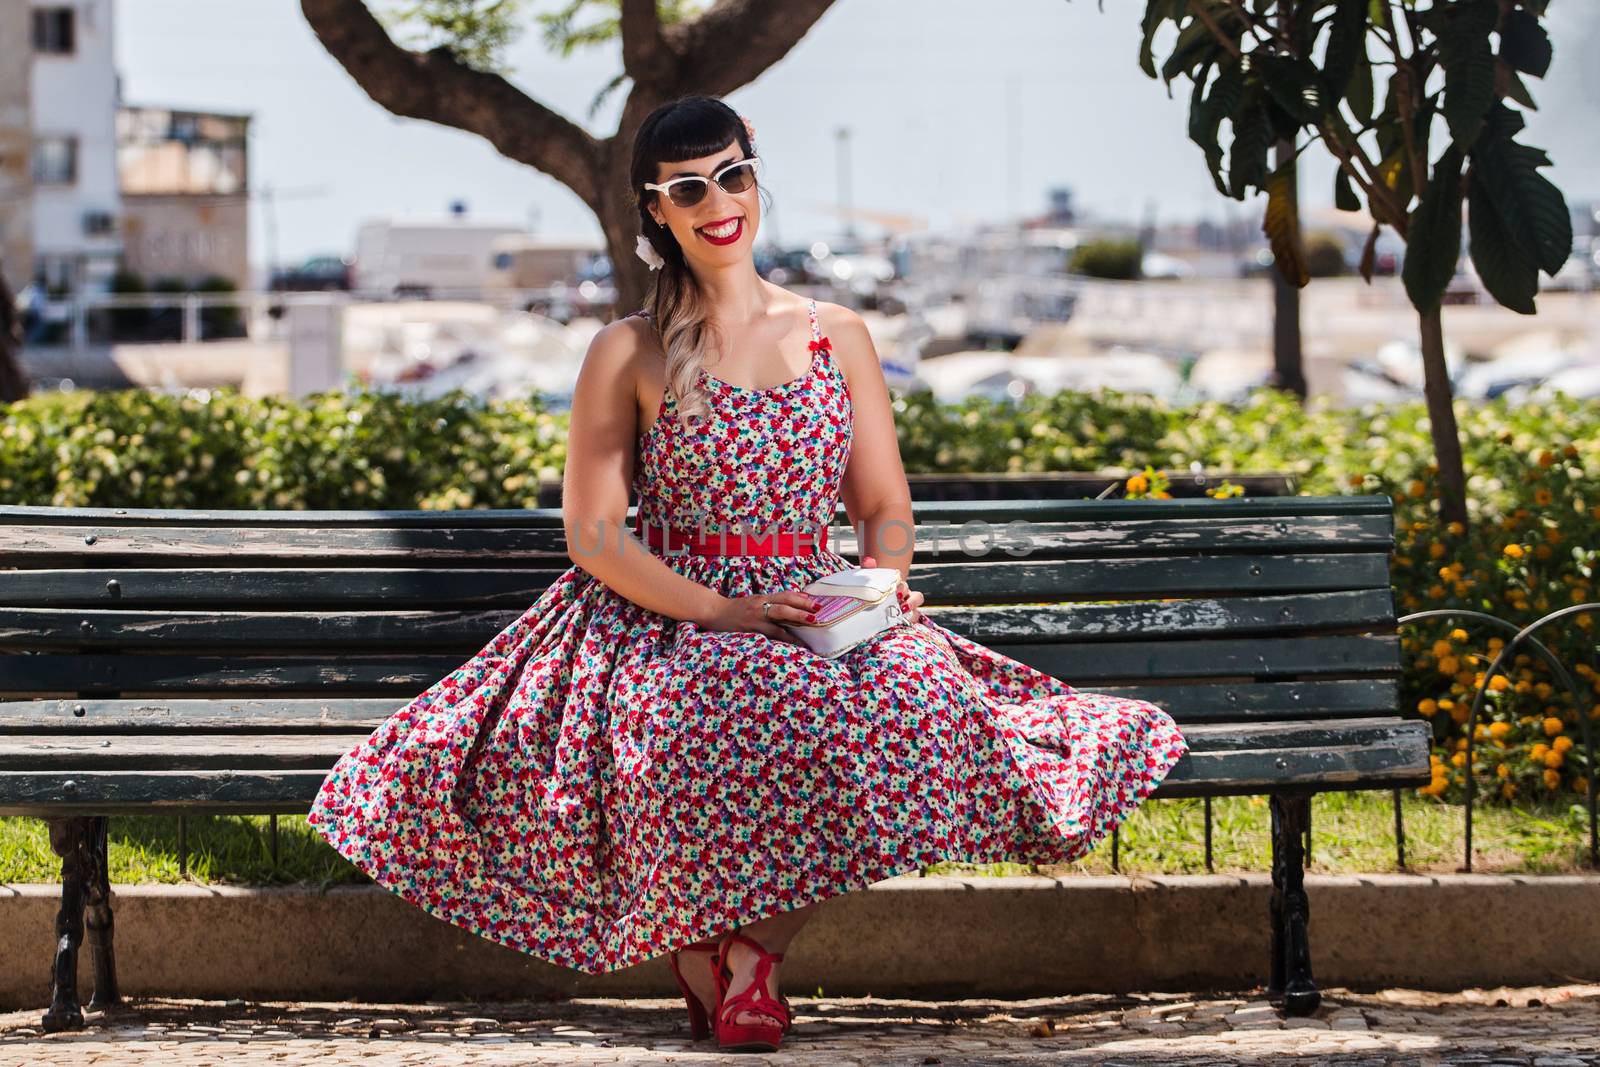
(185, 193)
(16, 142)
(71, 102)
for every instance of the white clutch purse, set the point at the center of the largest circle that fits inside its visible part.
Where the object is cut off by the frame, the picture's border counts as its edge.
(857, 603)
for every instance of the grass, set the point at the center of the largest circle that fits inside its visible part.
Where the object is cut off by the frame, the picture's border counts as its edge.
(1351, 832)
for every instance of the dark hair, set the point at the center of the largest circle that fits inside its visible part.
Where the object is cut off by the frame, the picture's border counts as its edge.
(689, 127)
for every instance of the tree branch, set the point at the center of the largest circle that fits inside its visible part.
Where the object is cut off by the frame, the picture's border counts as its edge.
(436, 87)
(646, 56)
(1223, 39)
(737, 40)
(1266, 27)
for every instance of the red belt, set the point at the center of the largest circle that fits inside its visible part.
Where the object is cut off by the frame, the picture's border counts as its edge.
(755, 543)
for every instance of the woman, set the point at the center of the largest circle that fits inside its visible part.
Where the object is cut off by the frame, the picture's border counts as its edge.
(646, 761)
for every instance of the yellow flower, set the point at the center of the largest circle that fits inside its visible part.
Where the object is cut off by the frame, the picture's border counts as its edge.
(1499, 729)
(1546, 457)
(1436, 550)
(1442, 648)
(1552, 779)
(1503, 770)
(1416, 488)
(1499, 683)
(1513, 550)
(1508, 789)
(1580, 785)
(1458, 634)
(1138, 483)
(1552, 726)
(1536, 753)
(1459, 759)
(1457, 527)
(1428, 707)
(1542, 497)
(1554, 758)
(1449, 665)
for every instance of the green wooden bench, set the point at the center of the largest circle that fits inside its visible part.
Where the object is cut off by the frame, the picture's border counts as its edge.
(220, 662)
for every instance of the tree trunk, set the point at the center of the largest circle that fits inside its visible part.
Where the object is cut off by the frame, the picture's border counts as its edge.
(13, 383)
(1442, 420)
(1288, 365)
(629, 273)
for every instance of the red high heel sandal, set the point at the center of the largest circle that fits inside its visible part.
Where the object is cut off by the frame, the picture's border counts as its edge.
(699, 1021)
(749, 1037)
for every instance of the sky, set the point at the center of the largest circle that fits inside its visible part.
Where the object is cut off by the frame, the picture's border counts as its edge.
(954, 114)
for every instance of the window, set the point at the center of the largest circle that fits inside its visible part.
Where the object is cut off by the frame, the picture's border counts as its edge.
(52, 30)
(55, 161)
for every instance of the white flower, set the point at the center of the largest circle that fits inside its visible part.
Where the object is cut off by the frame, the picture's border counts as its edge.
(648, 253)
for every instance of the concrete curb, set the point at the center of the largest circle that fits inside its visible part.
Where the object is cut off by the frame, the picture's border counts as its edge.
(904, 937)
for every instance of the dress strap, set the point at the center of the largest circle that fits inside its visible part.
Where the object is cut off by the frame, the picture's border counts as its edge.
(816, 327)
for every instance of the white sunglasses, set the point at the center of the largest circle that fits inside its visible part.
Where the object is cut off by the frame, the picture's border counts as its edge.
(690, 189)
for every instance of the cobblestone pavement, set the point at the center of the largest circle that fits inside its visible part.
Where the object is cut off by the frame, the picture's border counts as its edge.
(1534, 1027)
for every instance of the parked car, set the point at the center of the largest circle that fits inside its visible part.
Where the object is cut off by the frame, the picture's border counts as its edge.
(318, 273)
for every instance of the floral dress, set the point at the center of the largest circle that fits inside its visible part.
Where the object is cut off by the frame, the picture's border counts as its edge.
(602, 783)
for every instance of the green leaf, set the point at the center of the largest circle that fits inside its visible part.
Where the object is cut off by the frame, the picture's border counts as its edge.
(1359, 92)
(1507, 273)
(1344, 196)
(1247, 156)
(1206, 115)
(1532, 209)
(1433, 238)
(1294, 85)
(1468, 63)
(1282, 225)
(1155, 13)
(1517, 90)
(1195, 45)
(1524, 44)
(1369, 254)
(1347, 39)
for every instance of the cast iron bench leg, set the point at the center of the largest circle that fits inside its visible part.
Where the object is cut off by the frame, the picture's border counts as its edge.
(66, 837)
(97, 897)
(85, 879)
(1290, 908)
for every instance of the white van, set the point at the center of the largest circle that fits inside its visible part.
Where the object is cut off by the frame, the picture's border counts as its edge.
(427, 257)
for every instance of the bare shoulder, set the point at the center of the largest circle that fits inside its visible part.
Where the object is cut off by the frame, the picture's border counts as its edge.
(620, 348)
(851, 341)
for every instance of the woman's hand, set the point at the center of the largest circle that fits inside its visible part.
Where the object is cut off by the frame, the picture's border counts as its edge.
(909, 600)
(745, 613)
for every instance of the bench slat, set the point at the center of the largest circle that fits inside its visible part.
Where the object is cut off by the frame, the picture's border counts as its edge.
(190, 751)
(83, 628)
(70, 547)
(550, 518)
(1008, 581)
(1348, 767)
(1214, 702)
(1227, 772)
(373, 673)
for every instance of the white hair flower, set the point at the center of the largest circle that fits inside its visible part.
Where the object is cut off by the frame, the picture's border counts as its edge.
(648, 253)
